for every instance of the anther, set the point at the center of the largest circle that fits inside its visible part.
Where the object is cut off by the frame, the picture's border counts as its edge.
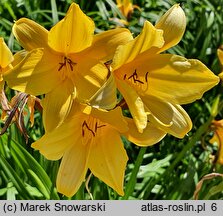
(86, 125)
(98, 126)
(134, 76)
(69, 61)
(146, 76)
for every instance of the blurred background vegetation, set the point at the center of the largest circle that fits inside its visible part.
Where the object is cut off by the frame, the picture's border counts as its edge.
(170, 169)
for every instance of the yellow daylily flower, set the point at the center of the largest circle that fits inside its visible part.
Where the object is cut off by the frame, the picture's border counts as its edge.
(88, 139)
(6, 59)
(63, 63)
(13, 110)
(217, 127)
(126, 7)
(154, 85)
(220, 57)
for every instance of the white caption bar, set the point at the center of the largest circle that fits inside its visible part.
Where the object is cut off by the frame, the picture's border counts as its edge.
(110, 208)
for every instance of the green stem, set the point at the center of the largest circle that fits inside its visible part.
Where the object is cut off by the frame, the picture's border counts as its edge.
(132, 181)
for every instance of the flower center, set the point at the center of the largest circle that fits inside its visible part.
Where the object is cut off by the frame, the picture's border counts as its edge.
(90, 128)
(65, 67)
(139, 82)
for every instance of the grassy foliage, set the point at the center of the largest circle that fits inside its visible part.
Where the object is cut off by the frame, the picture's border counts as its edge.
(170, 169)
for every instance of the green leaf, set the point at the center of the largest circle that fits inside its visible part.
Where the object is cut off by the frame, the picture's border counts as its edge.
(3, 191)
(29, 163)
(54, 11)
(214, 190)
(133, 178)
(16, 180)
(34, 191)
(156, 166)
(39, 184)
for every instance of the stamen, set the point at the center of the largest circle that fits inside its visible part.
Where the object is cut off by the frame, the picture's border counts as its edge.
(134, 76)
(62, 64)
(140, 82)
(69, 61)
(98, 126)
(86, 125)
(146, 76)
(71, 64)
(93, 131)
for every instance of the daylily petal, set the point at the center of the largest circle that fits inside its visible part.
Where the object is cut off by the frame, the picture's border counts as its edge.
(54, 144)
(171, 77)
(189, 79)
(6, 56)
(31, 106)
(159, 110)
(89, 77)
(18, 57)
(149, 37)
(218, 138)
(113, 117)
(173, 24)
(3, 99)
(214, 139)
(72, 169)
(179, 121)
(108, 159)
(220, 55)
(30, 34)
(150, 136)
(57, 105)
(105, 97)
(105, 43)
(220, 157)
(221, 75)
(134, 103)
(127, 7)
(73, 33)
(36, 74)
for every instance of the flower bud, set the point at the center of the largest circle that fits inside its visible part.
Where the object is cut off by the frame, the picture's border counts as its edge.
(173, 24)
